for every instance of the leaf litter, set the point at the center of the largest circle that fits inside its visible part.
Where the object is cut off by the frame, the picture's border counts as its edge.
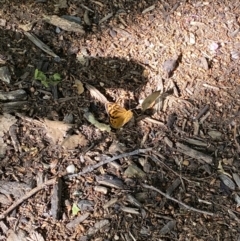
(149, 33)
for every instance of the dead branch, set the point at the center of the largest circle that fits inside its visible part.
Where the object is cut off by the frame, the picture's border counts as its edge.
(158, 161)
(177, 201)
(93, 167)
(26, 196)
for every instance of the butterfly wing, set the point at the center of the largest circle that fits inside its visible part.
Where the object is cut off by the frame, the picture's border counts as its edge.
(118, 116)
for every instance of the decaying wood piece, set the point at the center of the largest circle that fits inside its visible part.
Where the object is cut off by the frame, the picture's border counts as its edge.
(202, 112)
(77, 221)
(56, 199)
(63, 23)
(13, 134)
(11, 107)
(93, 167)
(13, 95)
(14, 189)
(110, 181)
(193, 153)
(40, 44)
(26, 196)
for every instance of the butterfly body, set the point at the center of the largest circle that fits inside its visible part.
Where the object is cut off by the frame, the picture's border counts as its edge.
(118, 116)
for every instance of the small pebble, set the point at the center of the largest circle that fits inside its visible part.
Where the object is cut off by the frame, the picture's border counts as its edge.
(101, 189)
(70, 169)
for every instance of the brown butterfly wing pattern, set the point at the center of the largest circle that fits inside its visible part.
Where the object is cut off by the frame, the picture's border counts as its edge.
(118, 116)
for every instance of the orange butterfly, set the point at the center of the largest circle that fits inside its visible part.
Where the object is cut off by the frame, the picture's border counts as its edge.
(118, 116)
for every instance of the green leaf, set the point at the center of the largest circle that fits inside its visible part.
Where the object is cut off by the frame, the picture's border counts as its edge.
(57, 77)
(35, 73)
(39, 75)
(75, 209)
(45, 83)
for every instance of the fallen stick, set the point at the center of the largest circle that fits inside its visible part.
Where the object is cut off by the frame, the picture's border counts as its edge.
(158, 161)
(91, 168)
(177, 201)
(26, 196)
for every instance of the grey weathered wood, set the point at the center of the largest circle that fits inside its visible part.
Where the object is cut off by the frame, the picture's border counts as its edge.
(13, 95)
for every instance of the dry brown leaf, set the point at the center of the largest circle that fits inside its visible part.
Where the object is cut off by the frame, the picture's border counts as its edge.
(79, 86)
(96, 94)
(170, 65)
(71, 142)
(35, 236)
(19, 235)
(150, 100)
(56, 130)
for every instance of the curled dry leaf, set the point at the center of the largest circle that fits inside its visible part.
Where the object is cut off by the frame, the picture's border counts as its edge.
(221, 170)
(96, 94)
(79, 86)
(150, 100)
(103, 127)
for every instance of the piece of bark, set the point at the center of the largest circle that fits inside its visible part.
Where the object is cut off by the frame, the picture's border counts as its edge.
(4, 200)
(3, 227)
(5, 75)
(63, 23)
(193, 153)
(110, 181)
(15, 189)
(97, 226)
(14, 95)
(76, 221)
(56, 199)
(12, 107)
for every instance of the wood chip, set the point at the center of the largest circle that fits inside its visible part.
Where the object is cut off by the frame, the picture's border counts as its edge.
(56, 199)
(146, 10)
(74, 223)
(63, 23)
(105, 18)
(193, 153)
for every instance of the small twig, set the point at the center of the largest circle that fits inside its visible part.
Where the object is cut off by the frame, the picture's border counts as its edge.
(204, 117)
(202, 112)
(26, 196)
(93, 167)
(211, 87)
(177, 201)
(154, 121)
(157, 160)
(105, 18)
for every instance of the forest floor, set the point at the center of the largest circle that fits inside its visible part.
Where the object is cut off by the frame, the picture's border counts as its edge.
(171, 168)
